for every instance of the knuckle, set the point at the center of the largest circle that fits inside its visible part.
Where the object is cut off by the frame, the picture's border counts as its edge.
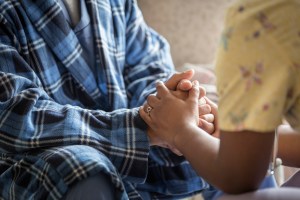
(204, 109)
(150, 97)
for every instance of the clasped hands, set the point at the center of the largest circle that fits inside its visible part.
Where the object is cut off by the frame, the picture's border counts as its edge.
(178, 105)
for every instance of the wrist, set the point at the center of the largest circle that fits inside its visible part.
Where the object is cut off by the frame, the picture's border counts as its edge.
(151, 138)
(184, 137)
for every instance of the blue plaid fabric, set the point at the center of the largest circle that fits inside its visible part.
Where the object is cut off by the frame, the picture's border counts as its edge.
(61, 121)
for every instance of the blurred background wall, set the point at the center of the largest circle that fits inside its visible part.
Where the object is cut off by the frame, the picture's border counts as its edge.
(192, 27)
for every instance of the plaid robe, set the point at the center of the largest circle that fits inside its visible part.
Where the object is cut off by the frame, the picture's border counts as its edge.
(61, 121)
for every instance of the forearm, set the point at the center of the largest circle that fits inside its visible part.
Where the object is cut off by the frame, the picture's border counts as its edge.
(201, 150)
(232, 166)
(288, 146)
(231, 163)
(31, 120)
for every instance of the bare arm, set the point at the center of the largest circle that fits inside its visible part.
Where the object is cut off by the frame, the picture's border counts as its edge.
(231, 163)
(289, 146)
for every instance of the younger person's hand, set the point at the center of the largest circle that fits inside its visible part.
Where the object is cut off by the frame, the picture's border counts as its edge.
(179, 84)
(206, 117)
(170, 115)
(156, 140)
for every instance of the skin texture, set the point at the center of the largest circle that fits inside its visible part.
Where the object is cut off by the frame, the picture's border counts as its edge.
(288, 146)
(231, 163)
(179, 85)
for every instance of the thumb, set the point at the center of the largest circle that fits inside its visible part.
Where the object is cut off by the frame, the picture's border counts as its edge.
(172, 83)
(184, 85)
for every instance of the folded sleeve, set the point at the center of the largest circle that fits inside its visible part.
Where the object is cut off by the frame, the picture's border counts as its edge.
(148, 56)
(31, 120)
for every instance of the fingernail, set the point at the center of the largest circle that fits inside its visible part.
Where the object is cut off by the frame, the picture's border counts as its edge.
(183, 82)
(159, 83)
(187, 71)
(195, 83)
(201, 101)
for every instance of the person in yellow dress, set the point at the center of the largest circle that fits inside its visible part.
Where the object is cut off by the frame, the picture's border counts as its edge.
(258, 82)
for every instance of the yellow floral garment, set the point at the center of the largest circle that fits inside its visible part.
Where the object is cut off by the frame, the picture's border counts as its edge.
(258, 66)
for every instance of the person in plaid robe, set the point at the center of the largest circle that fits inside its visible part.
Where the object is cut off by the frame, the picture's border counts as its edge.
(69, 110)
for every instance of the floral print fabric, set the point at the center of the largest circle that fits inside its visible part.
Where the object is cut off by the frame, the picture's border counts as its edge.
(258, 66)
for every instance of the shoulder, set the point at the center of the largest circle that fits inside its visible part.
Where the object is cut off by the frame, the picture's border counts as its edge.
(253, 9)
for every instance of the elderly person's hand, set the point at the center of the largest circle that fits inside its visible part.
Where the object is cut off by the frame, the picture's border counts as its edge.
(214, 117)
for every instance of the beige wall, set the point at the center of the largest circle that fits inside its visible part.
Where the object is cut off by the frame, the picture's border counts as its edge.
(192, 27)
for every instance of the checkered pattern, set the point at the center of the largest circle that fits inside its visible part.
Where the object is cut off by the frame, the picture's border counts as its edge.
(61, 121)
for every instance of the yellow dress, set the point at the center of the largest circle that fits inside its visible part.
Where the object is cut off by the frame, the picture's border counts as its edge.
(258, 66)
